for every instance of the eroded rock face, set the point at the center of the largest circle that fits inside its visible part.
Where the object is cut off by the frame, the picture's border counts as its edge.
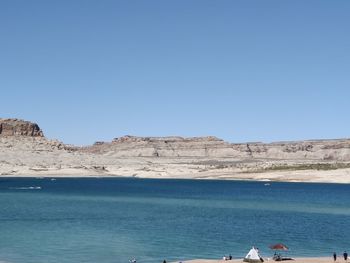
(25, 151)
(16, 127)
(212, 147)
(172, 146)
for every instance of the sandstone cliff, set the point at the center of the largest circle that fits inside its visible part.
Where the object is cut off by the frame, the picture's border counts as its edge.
(25, 152)
(212, 147)
(14, 127)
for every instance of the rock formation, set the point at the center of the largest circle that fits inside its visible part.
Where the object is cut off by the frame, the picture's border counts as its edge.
(24, 151)
(212, 147)
(14, 127)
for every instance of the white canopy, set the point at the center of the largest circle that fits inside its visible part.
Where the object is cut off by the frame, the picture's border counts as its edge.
(252, 256)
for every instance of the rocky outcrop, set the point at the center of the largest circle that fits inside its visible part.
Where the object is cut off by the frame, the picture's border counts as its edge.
(24, 151)
(16, 127)
(212, 147)
(173, 147)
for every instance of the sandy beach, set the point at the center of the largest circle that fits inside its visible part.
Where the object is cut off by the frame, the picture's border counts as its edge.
(308, 176)
(296, 260)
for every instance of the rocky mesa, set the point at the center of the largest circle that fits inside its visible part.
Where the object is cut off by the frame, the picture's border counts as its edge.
(212, 147)
(24, 151)
(13, 127)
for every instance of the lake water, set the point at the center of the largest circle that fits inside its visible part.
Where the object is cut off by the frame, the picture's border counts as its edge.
(116, 219)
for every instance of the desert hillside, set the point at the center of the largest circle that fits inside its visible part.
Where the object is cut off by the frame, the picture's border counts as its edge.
(24, 151)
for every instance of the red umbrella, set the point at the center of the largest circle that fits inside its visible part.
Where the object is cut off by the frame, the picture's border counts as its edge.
(279, 246)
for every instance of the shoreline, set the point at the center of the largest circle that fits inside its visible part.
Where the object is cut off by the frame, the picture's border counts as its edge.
(295, 260)
(323, 177)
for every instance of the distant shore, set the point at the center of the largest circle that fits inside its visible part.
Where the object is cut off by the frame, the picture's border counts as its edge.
(304, 176)
(25, 152)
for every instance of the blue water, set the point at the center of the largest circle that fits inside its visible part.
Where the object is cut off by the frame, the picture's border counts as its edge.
(113, 220)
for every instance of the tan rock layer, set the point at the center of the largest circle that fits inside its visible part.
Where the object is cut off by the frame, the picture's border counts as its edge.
(212, 147)
(23, 151)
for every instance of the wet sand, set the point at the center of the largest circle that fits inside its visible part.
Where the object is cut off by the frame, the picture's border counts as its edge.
(296, 260)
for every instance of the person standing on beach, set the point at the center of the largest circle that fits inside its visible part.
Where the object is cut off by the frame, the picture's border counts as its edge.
(345, 256)
(335, 256)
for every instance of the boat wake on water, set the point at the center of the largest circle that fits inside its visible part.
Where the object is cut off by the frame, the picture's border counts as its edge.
(26, 188)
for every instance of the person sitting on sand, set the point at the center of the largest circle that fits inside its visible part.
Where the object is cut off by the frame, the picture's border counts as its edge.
(277, 257)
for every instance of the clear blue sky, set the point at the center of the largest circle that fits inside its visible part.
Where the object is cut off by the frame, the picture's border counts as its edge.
(239, 70)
